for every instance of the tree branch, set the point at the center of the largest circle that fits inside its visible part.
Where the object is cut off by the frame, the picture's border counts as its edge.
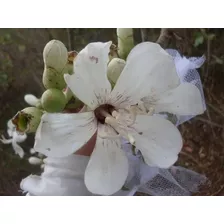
(164, 37)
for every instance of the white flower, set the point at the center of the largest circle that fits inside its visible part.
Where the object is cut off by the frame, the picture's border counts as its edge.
(15, 138)
(149, 70)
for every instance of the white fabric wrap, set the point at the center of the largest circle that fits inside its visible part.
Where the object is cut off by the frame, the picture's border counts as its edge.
(65, 177)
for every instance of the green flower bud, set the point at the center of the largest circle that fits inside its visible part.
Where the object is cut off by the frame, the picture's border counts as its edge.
(55, 55)
(115, 67)
(27, 120)
(38, 105)
(53, 100)
(53, 79)
(125, 41)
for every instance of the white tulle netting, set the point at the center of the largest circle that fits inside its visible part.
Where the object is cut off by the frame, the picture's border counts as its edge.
(66, 176)
(186, 70)
(176, 181)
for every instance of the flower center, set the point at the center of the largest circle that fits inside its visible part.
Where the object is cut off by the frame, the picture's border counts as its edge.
(107, 114)
(103, 108)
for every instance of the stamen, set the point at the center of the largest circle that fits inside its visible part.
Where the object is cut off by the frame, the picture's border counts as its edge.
(122, 132)
(105, 114)
(115, 114)
(131, 139)
(115, 121)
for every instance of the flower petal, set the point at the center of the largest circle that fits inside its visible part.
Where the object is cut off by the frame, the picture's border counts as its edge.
(107, 169)
(60, 135)
(19, 137)
(11, 128)
(41, 186)
(89, 81)
(31, 99)
(142, 48)
(18, 149)
(149, 71)
(160, 141)
(184, 100)
(5, 141)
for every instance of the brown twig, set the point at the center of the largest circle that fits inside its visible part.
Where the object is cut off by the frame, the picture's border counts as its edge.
(144, 34)
(166, 34)
(211, 123)
(208, 60)
(218, 111)
(164, 37)
(69, 39)
(191, 157)
(217, 192)
(137, 36)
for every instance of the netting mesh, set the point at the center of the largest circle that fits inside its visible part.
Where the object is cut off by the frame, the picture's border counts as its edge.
(176, 181)
(186, 70)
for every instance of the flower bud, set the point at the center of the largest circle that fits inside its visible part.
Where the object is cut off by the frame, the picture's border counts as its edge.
(27, 120)
(53, 79)
(32, 151)
(115, 67)
(38, 105)
(35, 160)
(31, 100)
(125, 41)
(55, 55)
(53, 100)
